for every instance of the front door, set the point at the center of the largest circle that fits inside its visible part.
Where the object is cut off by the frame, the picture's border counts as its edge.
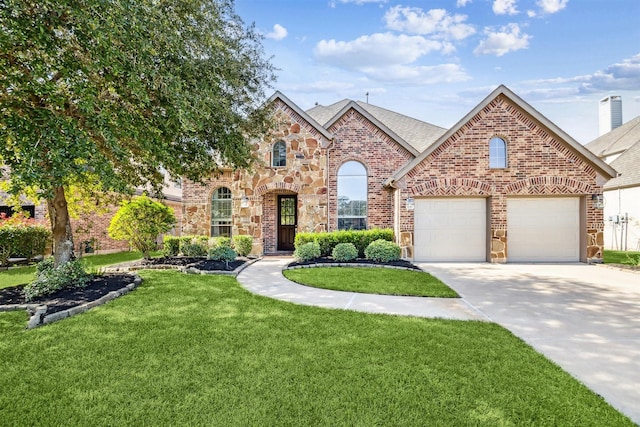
(287, 220)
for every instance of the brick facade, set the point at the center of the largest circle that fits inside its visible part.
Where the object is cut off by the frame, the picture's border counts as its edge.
(540, 163)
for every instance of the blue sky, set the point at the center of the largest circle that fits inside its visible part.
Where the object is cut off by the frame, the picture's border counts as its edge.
(436, 59)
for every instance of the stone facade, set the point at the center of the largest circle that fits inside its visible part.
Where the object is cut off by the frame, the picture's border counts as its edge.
(541, 162)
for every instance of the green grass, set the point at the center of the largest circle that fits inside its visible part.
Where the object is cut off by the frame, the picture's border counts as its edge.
(200, 350)
(24, 275)
(382, 281)
(621, 257)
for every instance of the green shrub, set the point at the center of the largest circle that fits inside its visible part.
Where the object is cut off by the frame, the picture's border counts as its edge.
(222, 253)
(171, 246)
(382, 251)
(140, 221)
(22, 240)
(50, 279)
(193, 248)
(345, 252)
(243, 244)
(328, 240)
(307, 252)
(220, 241)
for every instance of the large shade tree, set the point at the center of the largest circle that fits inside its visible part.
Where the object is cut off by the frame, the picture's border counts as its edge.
(105, 93)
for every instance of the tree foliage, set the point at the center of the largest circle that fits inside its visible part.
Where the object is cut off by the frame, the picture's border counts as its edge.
(140, 222)
(103, 94)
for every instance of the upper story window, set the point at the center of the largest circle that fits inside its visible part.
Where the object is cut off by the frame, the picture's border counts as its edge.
(497, 153)
(352, 196)
(279, 157)
(221, 212)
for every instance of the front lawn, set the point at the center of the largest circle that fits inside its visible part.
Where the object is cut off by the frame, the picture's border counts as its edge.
(200, 350)
(382, 281)
(621, 257)
(23, 275)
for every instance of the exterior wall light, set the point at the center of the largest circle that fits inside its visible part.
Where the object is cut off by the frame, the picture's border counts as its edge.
(411, 204)
(598, 201)
(244, 202)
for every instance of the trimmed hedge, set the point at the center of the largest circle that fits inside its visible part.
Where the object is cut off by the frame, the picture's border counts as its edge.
(242, 244)
(360, 239)
(344, 252)
(22, 241)
(307, 251)
(171, 246)
(383, 251)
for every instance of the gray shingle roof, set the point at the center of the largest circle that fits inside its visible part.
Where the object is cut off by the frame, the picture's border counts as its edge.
(616, 141)
(628, 165)
(415, 132)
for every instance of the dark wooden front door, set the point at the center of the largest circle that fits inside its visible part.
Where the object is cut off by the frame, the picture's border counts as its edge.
(287, 221)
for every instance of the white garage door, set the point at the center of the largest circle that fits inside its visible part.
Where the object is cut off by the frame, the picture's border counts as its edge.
(450, 229)
(543, 229)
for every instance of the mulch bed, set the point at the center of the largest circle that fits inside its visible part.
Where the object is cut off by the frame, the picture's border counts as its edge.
(328, 260)
(68, 298)
(195, 262)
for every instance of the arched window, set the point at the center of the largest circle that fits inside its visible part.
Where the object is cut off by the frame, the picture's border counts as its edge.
(279, 155)
(497, 153)
(352, 196)
(221, 212)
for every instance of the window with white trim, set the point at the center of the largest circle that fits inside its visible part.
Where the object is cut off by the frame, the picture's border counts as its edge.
(497, 153)
(352, 196)
(221, 212)
(279, 155)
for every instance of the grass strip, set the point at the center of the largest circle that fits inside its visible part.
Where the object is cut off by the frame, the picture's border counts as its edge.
(200, 350)
(383, 281)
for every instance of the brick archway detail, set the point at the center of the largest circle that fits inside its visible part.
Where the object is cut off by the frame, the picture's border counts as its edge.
(544, 185)
(452, 187)
(274, 186)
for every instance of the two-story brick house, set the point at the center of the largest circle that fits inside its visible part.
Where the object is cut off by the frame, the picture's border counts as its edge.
(503, 184)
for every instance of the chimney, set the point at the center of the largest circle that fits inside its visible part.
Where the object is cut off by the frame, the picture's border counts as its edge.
(610, 113)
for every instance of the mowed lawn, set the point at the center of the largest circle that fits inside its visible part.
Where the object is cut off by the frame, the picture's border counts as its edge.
(384, 281)
(200, 350)
(621, 257)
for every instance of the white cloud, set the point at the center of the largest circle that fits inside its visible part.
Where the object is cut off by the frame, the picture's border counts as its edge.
(552, 6)
(505, 7)
(531, 13)
(333, 3)
(279, 32)
(462, 3)
(418, 75)
(624, 75)
(507, 39)
(375, 50)
(437, 22)
(321, 86)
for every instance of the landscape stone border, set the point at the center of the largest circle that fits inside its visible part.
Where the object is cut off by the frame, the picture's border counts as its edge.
(38, 312)
(353, 264)
(188, 269)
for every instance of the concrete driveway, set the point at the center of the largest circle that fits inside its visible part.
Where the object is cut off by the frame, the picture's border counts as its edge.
(586, 318)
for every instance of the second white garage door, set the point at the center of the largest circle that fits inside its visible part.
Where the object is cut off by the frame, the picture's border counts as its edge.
(450, 229)
(543, 229)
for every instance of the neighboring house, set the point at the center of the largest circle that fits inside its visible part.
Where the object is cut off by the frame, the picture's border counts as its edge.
(503, 184)
(90, 230)
(621, 149)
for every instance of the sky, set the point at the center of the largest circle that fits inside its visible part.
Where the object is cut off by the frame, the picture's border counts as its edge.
(435, 60)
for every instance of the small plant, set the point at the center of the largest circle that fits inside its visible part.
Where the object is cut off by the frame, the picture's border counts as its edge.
(382, 251)
(345, 252)
(220, 241)
(633, 260)
(50, 279)
(222, 253)
(307, 252)
(171, 246)
(242, 244)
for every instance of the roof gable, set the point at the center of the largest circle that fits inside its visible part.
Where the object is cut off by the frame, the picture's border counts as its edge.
(502, 90)
(412, 134)
(306, 117)
(628, 166)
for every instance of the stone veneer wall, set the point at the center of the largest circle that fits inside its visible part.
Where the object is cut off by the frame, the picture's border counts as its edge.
(356, 138)
(539, 164)
(304, 175)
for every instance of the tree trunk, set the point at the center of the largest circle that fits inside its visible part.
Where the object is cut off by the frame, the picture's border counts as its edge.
(60, 227)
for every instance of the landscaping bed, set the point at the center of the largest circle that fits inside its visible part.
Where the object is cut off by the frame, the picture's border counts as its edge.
(328, 261)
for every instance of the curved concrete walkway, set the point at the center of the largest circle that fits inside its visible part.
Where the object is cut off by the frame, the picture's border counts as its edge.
(585, 318)
(265, 278)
